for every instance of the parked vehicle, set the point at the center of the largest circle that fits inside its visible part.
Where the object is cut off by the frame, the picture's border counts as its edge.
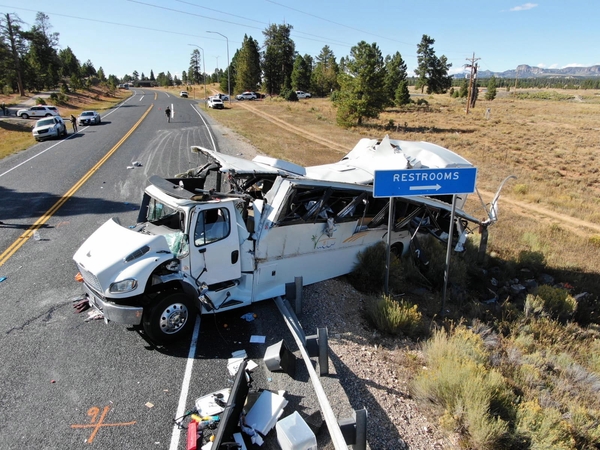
(183, 94)
(302, 94)
(89, 118)
(215, 103)
(195, 249)
(50, 127)
(246, 96)
(37, 111)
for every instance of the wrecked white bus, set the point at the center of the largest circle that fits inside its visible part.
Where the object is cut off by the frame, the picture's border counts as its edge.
(196, 249)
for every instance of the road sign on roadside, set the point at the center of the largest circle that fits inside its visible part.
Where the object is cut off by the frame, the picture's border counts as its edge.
(404, 183)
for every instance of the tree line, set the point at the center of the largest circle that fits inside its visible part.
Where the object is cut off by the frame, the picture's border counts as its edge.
(361, 84)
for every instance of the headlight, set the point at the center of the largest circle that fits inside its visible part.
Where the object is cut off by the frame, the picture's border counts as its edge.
(121, 287)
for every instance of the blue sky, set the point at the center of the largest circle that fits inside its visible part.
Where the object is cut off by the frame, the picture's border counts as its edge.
(126, 35)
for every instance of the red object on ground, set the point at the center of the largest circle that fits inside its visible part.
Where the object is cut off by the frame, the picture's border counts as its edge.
(192, 435)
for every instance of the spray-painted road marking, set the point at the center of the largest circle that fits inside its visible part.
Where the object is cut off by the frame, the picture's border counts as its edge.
(97, 424)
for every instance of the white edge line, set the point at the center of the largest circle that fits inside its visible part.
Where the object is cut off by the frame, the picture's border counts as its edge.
(207, 127)
(60, 142)
(185, 385)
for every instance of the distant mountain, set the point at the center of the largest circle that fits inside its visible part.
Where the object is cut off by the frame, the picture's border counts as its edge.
(525, 71)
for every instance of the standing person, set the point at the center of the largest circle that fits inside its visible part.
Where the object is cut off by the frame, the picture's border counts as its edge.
(168, 113)
(3, 109)
(74, 123)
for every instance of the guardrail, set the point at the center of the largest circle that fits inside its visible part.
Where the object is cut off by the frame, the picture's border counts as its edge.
(352, 431)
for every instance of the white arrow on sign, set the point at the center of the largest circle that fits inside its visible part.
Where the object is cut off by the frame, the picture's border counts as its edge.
(435, 187)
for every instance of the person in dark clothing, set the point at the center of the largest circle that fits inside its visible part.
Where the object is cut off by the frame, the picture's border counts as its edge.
(168, 113)
(74, 123)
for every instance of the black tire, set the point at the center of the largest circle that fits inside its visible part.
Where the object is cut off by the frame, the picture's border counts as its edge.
(170, 318)
(48, 115)
(24, 116)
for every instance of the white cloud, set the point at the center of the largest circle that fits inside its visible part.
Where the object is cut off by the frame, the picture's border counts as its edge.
(524, 7)
(541, 65)
(574, 65)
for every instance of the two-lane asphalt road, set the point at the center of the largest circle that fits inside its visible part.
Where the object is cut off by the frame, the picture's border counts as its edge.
(66, 383)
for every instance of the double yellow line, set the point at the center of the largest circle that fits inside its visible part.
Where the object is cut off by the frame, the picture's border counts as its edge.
(42, 220)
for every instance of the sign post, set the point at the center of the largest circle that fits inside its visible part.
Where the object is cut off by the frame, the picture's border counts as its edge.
(426, 182)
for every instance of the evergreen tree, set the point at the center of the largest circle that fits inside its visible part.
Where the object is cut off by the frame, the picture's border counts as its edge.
(88, 70)
(325, 73)
(14, 49)
(247, 66)
(194, 70)
(301, 73)
(432, 72)
(362, 85)
(464, 89)
(184, 77)
(152, 76)
(402, 95)
(43, 63)
(395, 75)
(278, 60)
(69, 62)
(491, 89)
(101, 75)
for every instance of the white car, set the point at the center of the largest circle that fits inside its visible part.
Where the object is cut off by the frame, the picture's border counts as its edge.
(215, 103)
(302, 94)
(50, 127)
(183, 94)
(246, 96)
(89, 118)
(37, 111)
(223, 97)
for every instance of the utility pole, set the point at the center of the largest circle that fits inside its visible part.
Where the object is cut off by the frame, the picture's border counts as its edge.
(473, 68)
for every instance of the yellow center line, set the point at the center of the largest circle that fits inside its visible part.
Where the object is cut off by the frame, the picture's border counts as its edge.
(42, 220)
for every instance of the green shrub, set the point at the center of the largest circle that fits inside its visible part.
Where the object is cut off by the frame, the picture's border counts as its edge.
(393, 317)
(545, 427)
(40, 101)
(289, 95)
(368, 274)
(521, 189)
(550, 302)
(475, 398)
(459, 263)
(59, 99)
(595, 241)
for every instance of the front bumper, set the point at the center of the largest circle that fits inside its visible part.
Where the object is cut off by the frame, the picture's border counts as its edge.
(126, 315)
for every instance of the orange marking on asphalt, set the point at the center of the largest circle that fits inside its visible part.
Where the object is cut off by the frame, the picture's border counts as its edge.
(96, 425)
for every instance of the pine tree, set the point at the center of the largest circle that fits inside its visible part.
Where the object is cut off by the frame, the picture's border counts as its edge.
(302, 72)
(362, 85)
(325, 73)
(491, 89)
(432, 72)
(278, 60)
(247, 66)
(395, 76)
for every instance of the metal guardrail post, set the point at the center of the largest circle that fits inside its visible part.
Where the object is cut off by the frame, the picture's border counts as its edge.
(322, 339)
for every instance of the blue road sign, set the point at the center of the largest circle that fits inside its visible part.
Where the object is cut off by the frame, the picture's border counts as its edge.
(404, 183)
